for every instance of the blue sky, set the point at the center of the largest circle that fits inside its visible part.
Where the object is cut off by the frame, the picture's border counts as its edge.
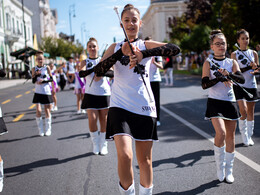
(96, 16)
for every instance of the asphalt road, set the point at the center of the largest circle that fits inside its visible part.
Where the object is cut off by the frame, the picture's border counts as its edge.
(62, 164)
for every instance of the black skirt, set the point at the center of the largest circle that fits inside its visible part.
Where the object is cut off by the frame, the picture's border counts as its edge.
(222, 109)
(123, 122)
(240, 94)
(42, 99)
(97, 102)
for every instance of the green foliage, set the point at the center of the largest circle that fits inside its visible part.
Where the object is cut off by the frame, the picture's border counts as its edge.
(60, 47)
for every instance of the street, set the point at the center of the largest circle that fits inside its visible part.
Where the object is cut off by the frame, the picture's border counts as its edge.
(63, 164)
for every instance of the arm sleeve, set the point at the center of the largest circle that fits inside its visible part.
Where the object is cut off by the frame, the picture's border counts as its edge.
(246, 69)
(166, 50)
(109, 73)
(238, 77)
(206, 83)
(84, 73)
(34, 79)
(102, 67)
(50, 80)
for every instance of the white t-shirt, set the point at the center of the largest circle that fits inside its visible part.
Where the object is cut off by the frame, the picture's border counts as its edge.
(220, 91)
(250, 80)
(129, 91)
(154, 70)
(100, 87)
(44, 88)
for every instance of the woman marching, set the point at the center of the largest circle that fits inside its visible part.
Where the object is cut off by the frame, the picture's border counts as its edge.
(79, 89)
(222, 108)
(132, 112)
(96, 98)
(248, 61)
(55, 87)
(42, 77)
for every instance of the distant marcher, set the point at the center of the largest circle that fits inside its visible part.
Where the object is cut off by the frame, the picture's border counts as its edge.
(42, 77)
(245, 103)
(168, 71)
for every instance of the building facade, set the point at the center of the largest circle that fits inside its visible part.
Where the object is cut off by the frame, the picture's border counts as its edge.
(159, 17)
(15, 31)
(44, 19)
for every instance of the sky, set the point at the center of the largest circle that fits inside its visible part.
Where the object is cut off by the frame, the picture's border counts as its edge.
(93, 18)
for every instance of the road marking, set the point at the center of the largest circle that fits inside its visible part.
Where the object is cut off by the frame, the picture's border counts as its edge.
(239, 156)
(32, 106)
(27, 92)
(5, 102)
(18, 96)
(18, 118)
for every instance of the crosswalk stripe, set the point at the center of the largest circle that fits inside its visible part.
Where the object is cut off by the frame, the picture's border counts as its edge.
(238, 155)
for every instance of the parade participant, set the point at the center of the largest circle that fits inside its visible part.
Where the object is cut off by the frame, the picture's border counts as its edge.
(71, 72)
(79, 89)
(55, 87)
(168, 71)
(155, 79)
(42, 77)
(132, 112)
(222, 108)
(96, 99)
(248, 61)
(62, 78)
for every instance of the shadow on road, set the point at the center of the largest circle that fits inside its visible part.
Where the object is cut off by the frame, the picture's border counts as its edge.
(18, 170)
(198, 190)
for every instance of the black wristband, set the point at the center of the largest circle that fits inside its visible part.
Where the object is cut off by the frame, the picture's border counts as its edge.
(84, 73)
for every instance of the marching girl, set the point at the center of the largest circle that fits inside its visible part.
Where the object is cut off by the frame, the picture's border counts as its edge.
(155, 79)
(42, 77)
(222, 108)
(246, 104)
(132, 113)
(55, 87)
(96, 99)
(71, 73)
(79, 89)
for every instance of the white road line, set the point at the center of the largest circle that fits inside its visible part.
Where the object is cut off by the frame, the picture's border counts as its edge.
(239, 156)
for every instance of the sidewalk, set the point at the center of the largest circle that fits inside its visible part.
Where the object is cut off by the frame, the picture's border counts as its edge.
(5, 83)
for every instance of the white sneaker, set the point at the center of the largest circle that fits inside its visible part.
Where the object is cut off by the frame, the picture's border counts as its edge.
(1, 175)
(83, 111)
(158, 123)
(79, 112)
(55, 108)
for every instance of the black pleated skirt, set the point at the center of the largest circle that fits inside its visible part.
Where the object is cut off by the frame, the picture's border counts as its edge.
(42, 99)
(97, 102)
(123, 122)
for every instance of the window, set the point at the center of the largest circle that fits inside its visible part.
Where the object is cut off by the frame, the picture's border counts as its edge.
(17, 27)
(29, 35)
(0, 17)
(8, 21)
(22, 29)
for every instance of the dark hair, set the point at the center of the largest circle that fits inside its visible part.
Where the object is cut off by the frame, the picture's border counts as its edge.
(148, 38)
(215, 33)
(39, 52)
(241, 31)
(91, 39)
(129, 7)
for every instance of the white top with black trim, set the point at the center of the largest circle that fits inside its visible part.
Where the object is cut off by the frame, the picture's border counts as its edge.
(220, 91)
(243, 62)
(44, 88)
(100, 87)
(128, 90)
(154, 70)
(71, 68)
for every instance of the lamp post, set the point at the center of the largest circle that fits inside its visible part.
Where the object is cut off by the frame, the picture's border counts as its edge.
(83, 29)
(71, 11)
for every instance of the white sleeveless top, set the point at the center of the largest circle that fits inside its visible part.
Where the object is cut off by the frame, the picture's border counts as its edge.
(54, 76)
(220, 91)
(128, 91)
(250, 80)
(100, 87)
(44, 88)
(71, 68)
(154, 70)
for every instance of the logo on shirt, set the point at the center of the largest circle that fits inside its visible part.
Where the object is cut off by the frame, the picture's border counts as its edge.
(148, 109)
